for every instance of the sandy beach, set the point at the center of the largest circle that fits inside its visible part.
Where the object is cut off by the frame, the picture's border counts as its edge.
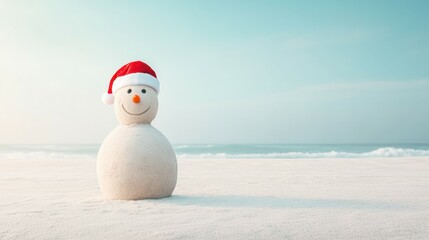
(379, 198)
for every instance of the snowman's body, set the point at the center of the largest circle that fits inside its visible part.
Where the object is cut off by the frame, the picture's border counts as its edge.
(135, 160)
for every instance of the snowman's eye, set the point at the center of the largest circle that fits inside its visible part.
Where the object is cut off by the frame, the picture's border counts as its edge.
(143, 90)
(129, 91)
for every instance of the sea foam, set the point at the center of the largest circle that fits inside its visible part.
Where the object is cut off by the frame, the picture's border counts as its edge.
(380, 152)
(220, 151)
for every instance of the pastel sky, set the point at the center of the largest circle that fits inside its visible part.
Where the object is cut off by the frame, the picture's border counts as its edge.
(242, 72)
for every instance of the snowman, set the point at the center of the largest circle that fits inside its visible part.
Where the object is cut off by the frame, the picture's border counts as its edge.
(135, 160)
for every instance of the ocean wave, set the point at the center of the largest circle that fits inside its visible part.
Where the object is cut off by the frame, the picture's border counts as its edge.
(185, 146)
(45, 155)
(380, 152)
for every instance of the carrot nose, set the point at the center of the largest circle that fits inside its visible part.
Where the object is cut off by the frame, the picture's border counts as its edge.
(136, 99)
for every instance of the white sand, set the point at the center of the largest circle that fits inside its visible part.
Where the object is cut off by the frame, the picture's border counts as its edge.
(223, 199)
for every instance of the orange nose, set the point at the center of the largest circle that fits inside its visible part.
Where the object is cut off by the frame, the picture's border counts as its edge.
(136, 99)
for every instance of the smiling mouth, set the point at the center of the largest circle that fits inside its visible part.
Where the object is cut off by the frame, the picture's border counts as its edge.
(135, 114)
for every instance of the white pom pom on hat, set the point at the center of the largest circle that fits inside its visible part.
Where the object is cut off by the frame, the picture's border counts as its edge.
(131, 74)
(107, 98)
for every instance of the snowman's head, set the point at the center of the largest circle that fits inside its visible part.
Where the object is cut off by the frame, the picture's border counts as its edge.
(134, 90)
(136, 104)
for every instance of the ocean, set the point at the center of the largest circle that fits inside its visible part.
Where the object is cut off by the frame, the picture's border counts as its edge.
(230, 151)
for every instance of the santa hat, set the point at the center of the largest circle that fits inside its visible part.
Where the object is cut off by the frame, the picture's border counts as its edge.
(131, 74)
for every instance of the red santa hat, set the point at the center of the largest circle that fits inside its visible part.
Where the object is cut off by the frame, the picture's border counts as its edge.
(131, 74)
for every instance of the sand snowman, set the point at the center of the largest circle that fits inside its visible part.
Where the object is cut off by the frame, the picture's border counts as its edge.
(135, 160)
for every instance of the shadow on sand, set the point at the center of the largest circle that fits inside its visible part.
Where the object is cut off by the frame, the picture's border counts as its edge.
(275, 202)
